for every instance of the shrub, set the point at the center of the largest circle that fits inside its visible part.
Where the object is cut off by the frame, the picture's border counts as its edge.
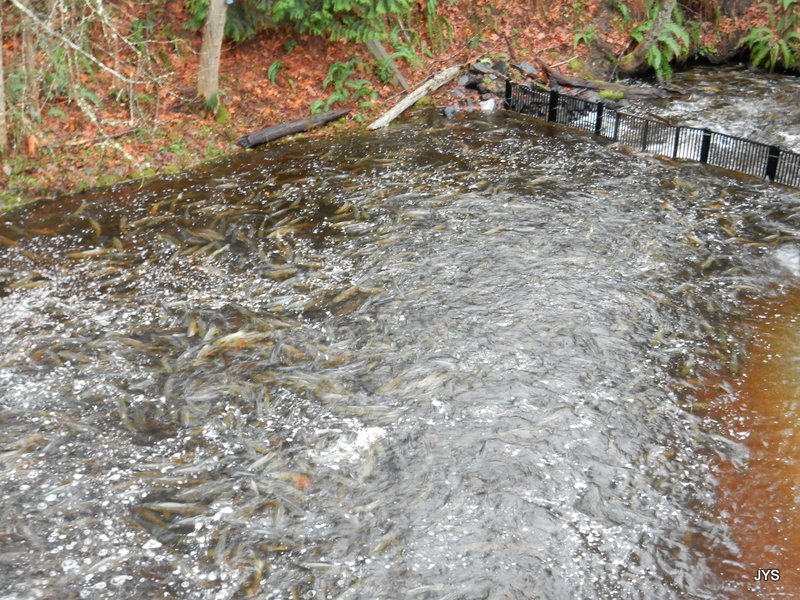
(779, 43)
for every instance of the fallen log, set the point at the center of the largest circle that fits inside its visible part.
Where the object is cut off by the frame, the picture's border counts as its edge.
(268, 134)
(432, 84)
(589, 84)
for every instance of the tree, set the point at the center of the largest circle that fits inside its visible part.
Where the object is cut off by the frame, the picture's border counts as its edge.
(211, 51)
(636, 60)
(3, 123)
(29, 58)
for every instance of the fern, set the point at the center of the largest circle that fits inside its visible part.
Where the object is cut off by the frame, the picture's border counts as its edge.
(272, 72)
(439, 28)
(588, 36)
(779, 43)
(360, 88)
(673, 42)
(317, 106)
(345, 89)
(245, 18)
(338, 72)
(623, 10)
(353, 20)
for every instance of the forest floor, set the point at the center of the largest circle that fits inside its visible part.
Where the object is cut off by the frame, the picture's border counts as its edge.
(68, 152)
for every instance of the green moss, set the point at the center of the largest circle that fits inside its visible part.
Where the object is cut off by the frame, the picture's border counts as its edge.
(106, 180)
(213, 152)
(179, 148)
(144, 173)
(424, 102)
(577, 67)
(611, 95)
(10, 201)
(222, 116)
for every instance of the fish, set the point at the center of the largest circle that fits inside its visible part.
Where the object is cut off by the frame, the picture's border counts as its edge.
(34, 280)
(91, 253)
(8, 242)
(196, 326)
(208, 234)
(219, 250)
(233, 341)
(74, 357)
(174, 508)
(693, 239)
(150, 221)
(98, 230)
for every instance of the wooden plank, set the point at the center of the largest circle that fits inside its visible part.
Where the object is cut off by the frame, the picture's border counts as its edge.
(432, 84)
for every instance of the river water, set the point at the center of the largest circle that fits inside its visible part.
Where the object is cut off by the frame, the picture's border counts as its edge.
(737, 101)
(456, 360)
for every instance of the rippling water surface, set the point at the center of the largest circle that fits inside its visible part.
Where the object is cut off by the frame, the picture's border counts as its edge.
(453, 360)
(737, 101)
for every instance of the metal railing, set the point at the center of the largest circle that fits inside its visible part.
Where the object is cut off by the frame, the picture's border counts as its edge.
(656, 137)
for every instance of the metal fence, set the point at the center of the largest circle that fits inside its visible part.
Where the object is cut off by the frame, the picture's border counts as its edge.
(648, 135)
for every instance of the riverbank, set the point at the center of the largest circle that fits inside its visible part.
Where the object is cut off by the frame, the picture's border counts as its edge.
(278, 76)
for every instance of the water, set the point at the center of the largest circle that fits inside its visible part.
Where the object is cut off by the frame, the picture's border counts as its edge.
(759, 408)
(453, 360)
(737, 101)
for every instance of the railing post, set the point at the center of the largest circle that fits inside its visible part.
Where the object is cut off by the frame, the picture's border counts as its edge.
(552, 109)
(677, 141)
(509, 89)
(644, 134)
(772, 162)
(705, 146)
(598, 121)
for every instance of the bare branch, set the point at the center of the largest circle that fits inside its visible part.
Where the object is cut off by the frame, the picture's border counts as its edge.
(49, 31)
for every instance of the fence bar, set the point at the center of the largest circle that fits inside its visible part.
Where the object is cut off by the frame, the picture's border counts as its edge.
(509, 89)
(772, 162)
(616, 126)
(598, 120)
(644, 135)
(552, 109)
(705, 146)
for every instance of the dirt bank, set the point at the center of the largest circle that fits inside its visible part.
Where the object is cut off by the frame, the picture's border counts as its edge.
(277, 77)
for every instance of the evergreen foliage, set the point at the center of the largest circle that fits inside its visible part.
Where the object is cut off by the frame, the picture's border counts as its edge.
(673, 41)
(352, 20)
(779, 43)
(245, 17)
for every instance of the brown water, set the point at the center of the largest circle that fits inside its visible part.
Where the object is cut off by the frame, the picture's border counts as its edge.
(452, 360)
(759, 406)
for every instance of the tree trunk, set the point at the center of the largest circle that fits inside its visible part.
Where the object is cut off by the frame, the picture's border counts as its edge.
(3, 123)
(211, 50)
(634, 62)
(31, 74)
